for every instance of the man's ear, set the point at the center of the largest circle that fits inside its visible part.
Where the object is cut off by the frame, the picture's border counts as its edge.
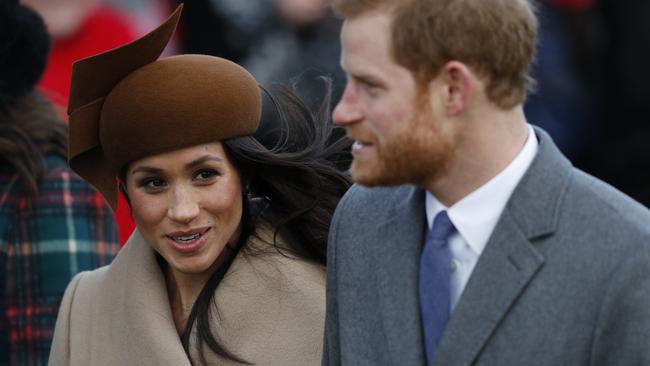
(459, 84)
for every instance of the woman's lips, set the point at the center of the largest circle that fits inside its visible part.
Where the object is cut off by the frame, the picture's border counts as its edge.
(188, 241)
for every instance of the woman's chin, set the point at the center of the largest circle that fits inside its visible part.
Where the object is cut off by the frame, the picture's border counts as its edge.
(190, 265)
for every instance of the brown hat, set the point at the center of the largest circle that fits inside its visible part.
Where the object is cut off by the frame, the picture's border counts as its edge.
(124, 105)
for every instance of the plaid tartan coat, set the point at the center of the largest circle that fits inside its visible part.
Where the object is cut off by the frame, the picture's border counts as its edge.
(270, 310)
(44, 242)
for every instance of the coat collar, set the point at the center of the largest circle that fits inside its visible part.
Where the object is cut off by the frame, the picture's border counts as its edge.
(145, 302)
(266, 301)
(401, 237)
(510, 260)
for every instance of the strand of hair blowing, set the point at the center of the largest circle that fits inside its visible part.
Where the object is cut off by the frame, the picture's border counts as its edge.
(298, 177)
(29, 130)
(299, 185)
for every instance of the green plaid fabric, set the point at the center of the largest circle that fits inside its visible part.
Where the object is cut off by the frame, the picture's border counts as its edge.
(43, 243)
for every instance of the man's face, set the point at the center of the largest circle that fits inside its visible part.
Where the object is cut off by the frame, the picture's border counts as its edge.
(399, 136)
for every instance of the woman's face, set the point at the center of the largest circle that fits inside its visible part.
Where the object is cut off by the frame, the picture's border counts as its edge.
(187, 204)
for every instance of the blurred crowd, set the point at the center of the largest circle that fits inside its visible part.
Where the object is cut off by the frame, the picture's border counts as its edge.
(592, 72)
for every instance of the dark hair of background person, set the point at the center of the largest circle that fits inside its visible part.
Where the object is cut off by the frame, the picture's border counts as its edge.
(294, 183)
(29, 129)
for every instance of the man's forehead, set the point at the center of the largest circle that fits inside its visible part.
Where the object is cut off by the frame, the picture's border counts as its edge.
(375, 19)
(365, 33)
(365, 40)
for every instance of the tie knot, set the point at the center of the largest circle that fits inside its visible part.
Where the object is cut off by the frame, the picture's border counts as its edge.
(442, 227)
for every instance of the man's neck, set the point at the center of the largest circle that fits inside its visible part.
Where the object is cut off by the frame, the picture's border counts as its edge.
(484, 148)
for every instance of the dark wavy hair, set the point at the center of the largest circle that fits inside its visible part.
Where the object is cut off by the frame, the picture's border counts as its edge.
(29, 127)
(30, 130)
(294, 181)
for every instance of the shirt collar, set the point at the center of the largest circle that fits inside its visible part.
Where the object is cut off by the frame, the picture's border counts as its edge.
(476, 215)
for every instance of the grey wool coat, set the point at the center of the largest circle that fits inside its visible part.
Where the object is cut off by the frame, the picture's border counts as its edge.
(564, 279)
(271, 311)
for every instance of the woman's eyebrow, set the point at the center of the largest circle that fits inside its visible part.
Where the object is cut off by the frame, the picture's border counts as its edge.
(189, 166)
(202, 160)
(147, 170)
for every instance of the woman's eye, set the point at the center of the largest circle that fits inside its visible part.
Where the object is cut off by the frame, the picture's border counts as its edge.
(205, 175)
(153, 183)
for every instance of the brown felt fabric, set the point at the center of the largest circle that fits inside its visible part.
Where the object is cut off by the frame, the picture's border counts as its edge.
(177, 102)
(125, 105)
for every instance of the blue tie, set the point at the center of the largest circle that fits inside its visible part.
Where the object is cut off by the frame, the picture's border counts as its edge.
(434, 283)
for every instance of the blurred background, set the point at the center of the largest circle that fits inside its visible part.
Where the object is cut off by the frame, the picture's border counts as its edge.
(591, 69)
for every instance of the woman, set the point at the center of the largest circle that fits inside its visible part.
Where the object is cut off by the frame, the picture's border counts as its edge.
(53, 224)
(227, 263)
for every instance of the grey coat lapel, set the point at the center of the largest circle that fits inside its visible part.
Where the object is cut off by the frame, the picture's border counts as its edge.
(510, 259)
(397, 276)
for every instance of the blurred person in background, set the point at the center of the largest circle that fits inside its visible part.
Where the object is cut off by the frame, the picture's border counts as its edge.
(52, 223)
(146, 14)
(79, 29)
(591, 95)
(227, 262)
(276, 40)
(621, 155)
(563, 102)
(287, 41)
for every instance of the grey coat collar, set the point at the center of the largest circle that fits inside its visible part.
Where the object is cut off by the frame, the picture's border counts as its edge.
(509, 262)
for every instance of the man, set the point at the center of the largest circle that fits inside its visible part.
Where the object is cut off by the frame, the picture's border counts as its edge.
(527, 260)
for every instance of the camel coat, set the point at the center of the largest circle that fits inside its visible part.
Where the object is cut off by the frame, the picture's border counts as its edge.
(270, 311)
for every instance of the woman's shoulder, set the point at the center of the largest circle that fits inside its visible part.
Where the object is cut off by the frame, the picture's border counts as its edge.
(269, 250)
(86, 285)
(106, 281)
(267, 266)
(272, 304)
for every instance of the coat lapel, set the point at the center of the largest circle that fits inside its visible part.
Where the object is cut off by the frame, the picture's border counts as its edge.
(148, 328)
(510, 260)
(401, 237)
(507, 265)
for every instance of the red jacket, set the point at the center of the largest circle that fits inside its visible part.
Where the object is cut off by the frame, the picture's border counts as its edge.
(104, 29)
(572, 4)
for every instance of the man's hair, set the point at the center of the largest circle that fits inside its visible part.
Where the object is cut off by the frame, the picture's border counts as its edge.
(496, 38)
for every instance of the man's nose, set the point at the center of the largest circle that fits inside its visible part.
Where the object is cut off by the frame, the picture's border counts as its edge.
(347, 110)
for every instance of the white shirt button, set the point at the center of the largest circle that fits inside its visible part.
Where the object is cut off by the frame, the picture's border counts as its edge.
(453, 267)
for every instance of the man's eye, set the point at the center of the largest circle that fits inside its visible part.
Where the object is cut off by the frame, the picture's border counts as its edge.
(370, 88)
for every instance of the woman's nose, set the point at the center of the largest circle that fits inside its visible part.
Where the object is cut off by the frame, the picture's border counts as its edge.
(183, 207)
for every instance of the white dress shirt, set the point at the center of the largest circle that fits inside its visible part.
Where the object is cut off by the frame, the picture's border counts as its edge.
(476, 215)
